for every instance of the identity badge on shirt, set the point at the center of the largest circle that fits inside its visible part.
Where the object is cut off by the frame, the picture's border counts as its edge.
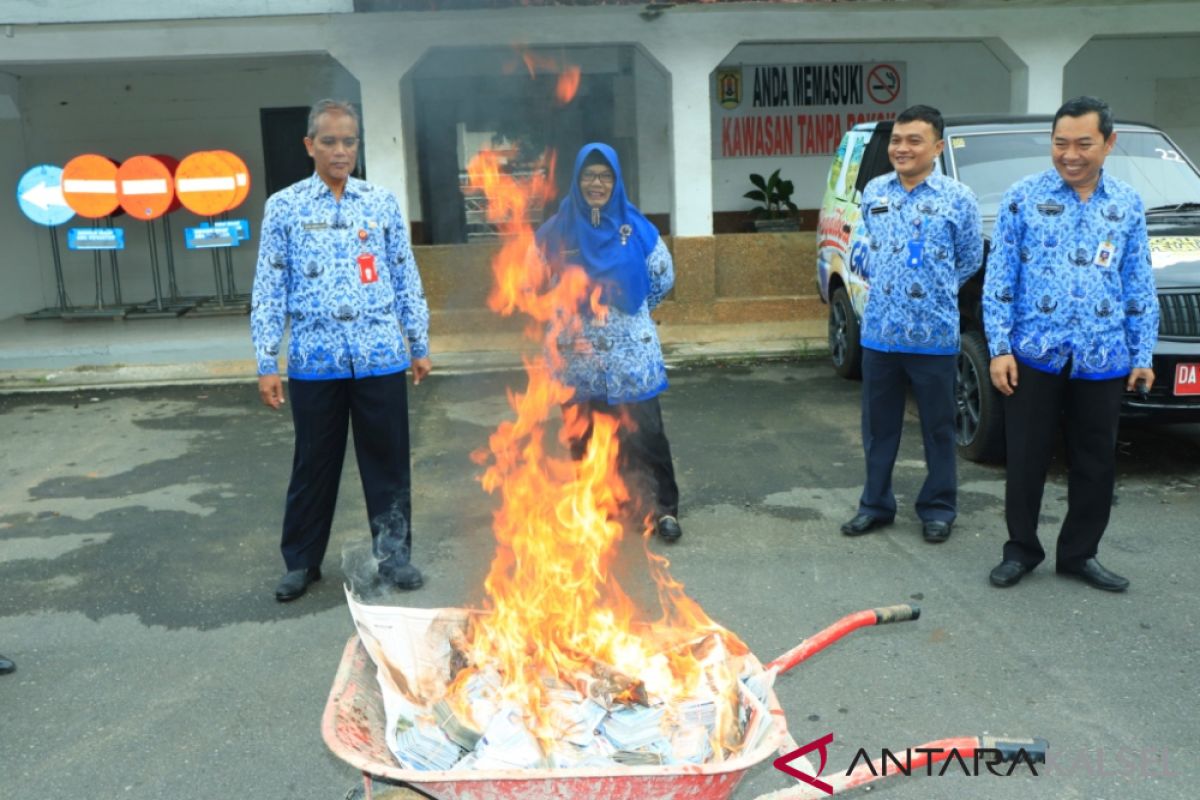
(366, 268)
(1104, 254)
(916, 252)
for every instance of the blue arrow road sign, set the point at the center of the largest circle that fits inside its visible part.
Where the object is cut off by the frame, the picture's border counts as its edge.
(39, 194)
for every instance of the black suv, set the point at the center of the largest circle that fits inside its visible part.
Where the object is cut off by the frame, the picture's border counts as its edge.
(989, 155)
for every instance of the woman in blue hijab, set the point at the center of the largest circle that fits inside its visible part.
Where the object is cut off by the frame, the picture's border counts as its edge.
(615, 364)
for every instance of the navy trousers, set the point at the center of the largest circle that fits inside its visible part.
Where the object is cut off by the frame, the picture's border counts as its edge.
(645, 454)
(886, 377)
(321, 410)
(1089, 412)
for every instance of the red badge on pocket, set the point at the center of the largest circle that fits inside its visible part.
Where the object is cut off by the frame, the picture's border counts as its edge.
(366, 268)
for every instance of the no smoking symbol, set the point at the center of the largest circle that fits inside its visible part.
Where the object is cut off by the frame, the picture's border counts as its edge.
(883, 84)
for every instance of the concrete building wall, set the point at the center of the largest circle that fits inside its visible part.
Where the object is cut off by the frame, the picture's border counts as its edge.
(58, 11)
(652, 88)
(952, 58)
(122, 110)
(1150, 79)
(23, 282)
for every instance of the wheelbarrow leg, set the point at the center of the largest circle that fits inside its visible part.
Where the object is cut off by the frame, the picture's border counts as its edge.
(373, 788)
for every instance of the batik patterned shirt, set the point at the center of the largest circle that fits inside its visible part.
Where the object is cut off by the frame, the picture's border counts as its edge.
(343, 275)
(1069, 281)
(620, 359)
(923, 245)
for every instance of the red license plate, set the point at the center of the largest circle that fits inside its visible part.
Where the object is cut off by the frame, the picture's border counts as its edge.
(1187, 379)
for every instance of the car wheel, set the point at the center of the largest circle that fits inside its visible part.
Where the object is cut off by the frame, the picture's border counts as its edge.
(844, 348)
(979, 413)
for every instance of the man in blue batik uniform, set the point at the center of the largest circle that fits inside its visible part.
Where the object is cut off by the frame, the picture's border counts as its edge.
(1071, 317)
(925, 241)
(336, 263)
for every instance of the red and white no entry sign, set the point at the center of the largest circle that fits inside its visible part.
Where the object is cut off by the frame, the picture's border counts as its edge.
(241, 177)
(206, 183)
(89, 185)
(145, 187)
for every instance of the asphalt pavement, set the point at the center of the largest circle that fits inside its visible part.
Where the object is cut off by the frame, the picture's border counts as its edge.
(139, 550)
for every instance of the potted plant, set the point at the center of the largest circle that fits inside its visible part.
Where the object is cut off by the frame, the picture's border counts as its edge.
(774, 195)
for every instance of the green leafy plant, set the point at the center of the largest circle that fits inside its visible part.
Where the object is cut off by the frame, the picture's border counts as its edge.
(773, 194)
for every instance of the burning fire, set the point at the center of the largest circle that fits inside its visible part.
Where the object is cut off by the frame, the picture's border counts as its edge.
(568, 84)
(556, 610)
(568, 74)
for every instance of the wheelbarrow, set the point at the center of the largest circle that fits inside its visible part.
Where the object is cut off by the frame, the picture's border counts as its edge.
(353, 728)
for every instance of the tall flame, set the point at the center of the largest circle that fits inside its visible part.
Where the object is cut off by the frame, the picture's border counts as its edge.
(569, 75)
(568, 84)
(556, 610)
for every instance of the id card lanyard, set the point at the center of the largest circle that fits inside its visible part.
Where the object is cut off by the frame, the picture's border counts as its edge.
(916, 245)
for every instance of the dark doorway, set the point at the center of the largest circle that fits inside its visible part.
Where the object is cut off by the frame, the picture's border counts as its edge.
(284, 158)
(513, 112)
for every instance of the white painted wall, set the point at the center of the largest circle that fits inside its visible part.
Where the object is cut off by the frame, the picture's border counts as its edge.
(955, 77)
(1150, 79)
(652, 90)
(207, 103)
(51, 11)
(23, 283)
(124, 110)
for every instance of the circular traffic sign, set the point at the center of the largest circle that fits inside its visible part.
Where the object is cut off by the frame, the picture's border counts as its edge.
(883, 84)
(39, 194)
(145, 187)
(206, 183)
(172, 164)
(89, 185)
(241, 177)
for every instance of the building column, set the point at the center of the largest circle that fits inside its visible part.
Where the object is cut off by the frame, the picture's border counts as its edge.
(383, 118)
(10, 103)
(1037, 64)
(689, 64)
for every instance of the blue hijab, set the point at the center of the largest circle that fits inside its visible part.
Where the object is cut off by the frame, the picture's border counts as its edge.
(614, 261)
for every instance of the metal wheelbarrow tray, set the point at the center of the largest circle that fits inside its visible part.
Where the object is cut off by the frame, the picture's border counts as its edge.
(353, 728)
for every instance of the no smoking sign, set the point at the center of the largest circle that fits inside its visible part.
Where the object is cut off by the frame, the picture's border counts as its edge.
(883, 83)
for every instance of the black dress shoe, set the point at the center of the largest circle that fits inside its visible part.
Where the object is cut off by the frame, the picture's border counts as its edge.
(936, 531)
(295, 583)
(1008, 573)
(668, 528)
(1092, 573)
(401, 576)
(6, 666)
(863, 523)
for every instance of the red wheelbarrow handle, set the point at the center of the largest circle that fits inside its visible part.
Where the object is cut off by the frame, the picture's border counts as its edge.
(847, 624)
(979, 753)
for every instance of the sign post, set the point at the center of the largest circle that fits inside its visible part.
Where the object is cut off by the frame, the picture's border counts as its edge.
(206, 185)
(89, 185)
(146, 190)
(241, 178)
(40, 197)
